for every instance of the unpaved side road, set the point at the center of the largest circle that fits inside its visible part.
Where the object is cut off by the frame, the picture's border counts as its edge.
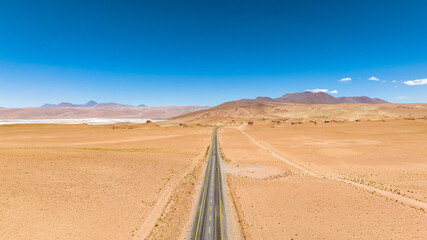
(313, 173)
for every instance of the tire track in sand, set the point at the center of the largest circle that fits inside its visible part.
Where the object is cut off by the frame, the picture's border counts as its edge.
(400, 198)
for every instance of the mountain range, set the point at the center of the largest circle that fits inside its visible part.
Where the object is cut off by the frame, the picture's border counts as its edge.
(261, 106)
(91, 103)
(304, 107)
(319, 98)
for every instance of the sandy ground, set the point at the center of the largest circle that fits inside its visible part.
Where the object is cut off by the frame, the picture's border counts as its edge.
(276, 200)
(96, 182)
(285, 181)
(389, 155)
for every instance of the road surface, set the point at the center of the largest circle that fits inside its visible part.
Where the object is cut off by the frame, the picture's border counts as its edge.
(210, 221)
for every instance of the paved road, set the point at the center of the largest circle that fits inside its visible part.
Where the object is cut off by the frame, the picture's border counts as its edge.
(209, 221)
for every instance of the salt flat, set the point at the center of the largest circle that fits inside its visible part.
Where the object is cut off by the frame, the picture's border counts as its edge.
(90, 121)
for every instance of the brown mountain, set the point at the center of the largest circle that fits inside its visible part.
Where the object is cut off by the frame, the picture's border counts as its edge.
(363, 99)
(255, 110)
(266, 99)
(319, 98)
(305, 106)
(308, 98)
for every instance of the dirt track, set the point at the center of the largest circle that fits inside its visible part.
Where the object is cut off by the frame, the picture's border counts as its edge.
(400, 198)
(308, 196)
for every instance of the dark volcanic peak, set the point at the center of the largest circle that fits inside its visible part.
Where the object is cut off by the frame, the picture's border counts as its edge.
(90, 103)
(319, 98)
(142, 105)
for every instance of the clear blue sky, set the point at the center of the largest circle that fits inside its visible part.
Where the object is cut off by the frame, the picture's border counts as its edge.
(207, 52)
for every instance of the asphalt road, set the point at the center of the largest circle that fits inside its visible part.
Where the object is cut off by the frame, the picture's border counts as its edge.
(209, 221)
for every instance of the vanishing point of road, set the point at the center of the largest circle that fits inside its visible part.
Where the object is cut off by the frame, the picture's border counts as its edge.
(209, 221)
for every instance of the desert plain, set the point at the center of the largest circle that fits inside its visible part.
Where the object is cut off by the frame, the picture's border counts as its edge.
(292, 172)
(294, 181)
(97, 182)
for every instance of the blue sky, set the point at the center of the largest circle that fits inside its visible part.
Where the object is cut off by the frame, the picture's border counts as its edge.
(207, 52)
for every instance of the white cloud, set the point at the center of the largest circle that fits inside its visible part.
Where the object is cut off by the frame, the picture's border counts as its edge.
(416, 82)
(317, 90)
(347, 79)
(373, 78)
(401, 97)
(394, 81)
(383, 81)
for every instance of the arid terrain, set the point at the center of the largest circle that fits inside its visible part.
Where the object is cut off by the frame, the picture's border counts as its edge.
(254, 110)
(307, 181)
(98, 182)
(213, 120)
(293, 171)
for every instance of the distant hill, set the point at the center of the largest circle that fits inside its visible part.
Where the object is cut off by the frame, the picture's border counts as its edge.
(66, 104)
(308, 98)
(47, 105)
(63, 104)
(302, 106)
(319, 98)
(245, 110)
(91, 103)
(266, 99)
(363, 99)
(111, 105)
